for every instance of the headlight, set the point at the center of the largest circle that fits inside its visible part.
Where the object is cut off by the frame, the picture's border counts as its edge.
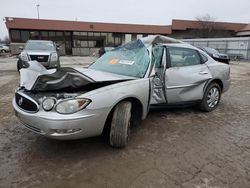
(54, 57)
(24, 56)
(216, 56)
(48, 104)
(71, 106)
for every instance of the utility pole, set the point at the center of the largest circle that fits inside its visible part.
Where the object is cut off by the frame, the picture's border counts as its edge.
(37, 8)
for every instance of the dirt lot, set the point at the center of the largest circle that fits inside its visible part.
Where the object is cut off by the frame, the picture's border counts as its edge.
(172, 148)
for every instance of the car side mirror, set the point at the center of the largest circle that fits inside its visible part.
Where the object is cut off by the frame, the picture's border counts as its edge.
(20, 47)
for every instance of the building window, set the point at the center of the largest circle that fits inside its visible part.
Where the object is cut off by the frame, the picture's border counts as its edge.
(59, 34)
(110, 40)
(34, 35)
(52, 34)
(15, 35)
(25, 36)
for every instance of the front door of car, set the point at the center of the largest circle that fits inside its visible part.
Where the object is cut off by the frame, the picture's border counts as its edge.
(186, 76)
(157, 82)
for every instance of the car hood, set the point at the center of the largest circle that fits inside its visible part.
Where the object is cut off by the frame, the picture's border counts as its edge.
(37, 78)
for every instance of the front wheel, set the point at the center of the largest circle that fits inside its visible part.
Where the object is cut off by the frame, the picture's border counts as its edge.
(120, 125)
(211, 98)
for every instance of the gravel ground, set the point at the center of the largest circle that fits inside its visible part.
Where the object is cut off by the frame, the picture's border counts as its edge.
(172, 148)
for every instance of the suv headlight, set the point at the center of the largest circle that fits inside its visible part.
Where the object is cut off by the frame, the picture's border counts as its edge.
(70, 106)
(54, 57)
(24, 56)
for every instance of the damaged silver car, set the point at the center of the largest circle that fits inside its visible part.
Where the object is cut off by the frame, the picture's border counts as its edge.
(117, 91)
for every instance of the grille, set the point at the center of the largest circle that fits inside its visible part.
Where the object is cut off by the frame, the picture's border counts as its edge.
(26, 103)
(39, 58)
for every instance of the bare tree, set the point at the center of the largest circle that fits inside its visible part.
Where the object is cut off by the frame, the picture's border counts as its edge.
(209, 26)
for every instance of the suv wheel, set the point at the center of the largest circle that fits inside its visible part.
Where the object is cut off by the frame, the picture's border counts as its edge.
(211, 98)
(120, 125)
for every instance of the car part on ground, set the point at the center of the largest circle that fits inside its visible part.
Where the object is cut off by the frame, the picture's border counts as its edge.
(118, 89)
(42, 51)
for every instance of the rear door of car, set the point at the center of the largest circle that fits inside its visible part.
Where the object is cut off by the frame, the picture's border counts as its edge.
(186, 76)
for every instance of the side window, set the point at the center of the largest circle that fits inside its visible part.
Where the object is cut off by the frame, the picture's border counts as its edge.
(180, 57)
(158, 53)
(204, 59)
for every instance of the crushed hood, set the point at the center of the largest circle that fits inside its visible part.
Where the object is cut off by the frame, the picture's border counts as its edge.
(37, 78)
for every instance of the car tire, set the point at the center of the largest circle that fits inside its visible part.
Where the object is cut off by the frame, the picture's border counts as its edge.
(211, 97)
(3, 51)
(120, 125)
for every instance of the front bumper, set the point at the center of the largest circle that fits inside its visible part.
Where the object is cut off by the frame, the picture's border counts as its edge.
(226, 85)
(48, 65)
(51, 124)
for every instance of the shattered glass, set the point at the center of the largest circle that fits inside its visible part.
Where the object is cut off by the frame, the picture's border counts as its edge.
(131, 59)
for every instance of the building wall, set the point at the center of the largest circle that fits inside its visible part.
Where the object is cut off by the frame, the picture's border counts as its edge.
(198, 33)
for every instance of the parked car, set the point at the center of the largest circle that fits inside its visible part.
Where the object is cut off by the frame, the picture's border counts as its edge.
(216, 55)
(117, 91)
(4, 48)
(42, 51)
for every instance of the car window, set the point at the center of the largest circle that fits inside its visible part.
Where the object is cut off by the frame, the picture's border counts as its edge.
(157, 54)
(204, 59)
(39, 45)
(183, 57)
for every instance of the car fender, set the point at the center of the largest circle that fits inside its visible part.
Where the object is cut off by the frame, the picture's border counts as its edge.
(107, 97)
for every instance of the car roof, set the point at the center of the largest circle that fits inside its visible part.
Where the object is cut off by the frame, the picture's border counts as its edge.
(39, 41)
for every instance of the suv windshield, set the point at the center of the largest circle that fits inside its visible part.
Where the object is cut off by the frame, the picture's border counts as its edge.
(131, 59)
(39, 45)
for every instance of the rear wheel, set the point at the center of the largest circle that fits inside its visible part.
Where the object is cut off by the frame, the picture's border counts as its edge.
(211, 98)
(3, 51)
(120, 125)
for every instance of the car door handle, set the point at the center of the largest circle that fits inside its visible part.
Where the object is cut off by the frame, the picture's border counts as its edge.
(203, 72)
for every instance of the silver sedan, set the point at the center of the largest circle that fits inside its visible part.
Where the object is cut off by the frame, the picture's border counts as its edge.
(117, 91)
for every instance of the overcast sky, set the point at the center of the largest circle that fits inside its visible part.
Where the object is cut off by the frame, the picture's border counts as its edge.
(154, 12)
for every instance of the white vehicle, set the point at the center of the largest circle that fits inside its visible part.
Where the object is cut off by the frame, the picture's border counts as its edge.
(4, 48)
(117, 91)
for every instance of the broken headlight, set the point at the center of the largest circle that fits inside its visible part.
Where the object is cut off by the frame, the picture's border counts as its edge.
(48, 104)
(70, 106)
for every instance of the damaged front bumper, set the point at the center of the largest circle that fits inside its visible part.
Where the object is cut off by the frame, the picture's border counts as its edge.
(83, 124)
